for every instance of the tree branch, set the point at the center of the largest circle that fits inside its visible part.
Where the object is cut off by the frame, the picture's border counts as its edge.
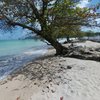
(35, 10)
(25, 26)
(44, 7)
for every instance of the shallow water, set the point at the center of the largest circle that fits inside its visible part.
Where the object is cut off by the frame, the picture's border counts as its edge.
(9, 47)
(16, 53)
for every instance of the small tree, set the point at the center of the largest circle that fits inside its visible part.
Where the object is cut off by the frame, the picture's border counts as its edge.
(46, 18)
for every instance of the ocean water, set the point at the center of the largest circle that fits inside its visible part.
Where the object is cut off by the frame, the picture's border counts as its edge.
(10, 47)
(16, 53)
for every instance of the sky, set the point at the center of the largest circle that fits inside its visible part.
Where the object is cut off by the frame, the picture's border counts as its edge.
(85, 3)
(19, 33)
(13, 34)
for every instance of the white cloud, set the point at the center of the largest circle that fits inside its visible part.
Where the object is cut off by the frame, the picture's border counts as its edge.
(83, 3)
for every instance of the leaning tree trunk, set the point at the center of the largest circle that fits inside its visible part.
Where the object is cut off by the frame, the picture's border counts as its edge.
(60, 50)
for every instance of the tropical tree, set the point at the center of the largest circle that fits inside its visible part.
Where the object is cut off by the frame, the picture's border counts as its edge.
(48, 19)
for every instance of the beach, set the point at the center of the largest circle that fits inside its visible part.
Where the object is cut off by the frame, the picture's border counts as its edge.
(54, 78)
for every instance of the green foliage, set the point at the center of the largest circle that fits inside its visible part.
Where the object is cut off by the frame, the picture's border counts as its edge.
(68, 19)
(56, 18)
(91, 33)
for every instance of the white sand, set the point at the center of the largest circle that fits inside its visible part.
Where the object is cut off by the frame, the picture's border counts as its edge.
(52, 78)
(89, 44)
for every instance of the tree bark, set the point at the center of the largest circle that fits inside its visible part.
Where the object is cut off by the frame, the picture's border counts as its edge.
(60, 49)
(68, 40)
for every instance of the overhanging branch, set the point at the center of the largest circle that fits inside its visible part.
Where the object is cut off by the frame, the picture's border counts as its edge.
(25, 26)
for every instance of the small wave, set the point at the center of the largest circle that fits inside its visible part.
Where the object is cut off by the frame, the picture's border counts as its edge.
(10, 63)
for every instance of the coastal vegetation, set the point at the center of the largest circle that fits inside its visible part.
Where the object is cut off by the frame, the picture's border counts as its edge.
(48, 19)
(29, 69)
(91, 34)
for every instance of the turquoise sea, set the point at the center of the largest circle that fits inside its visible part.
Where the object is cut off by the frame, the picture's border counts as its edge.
(16, 53)
(10, 47)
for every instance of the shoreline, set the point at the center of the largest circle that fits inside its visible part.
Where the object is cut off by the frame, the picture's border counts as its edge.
(10, 63)
(53, 77)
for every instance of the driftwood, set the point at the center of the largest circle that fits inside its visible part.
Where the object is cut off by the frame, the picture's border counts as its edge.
(84, 53)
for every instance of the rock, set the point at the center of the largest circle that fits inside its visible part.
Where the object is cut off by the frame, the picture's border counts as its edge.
(69, 67)
(50, 80)
(52, 91)
(48, 87)
(35, 83)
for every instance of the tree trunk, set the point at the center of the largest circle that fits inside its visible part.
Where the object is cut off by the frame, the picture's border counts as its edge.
(68, 40)
(60, 50)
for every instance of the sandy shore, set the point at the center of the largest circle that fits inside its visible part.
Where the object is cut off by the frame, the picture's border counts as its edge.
(53, 78)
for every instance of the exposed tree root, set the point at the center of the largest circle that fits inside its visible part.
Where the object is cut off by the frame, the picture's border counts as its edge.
(84, 53)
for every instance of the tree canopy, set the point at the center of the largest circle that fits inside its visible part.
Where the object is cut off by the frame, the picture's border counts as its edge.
(50, 19)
